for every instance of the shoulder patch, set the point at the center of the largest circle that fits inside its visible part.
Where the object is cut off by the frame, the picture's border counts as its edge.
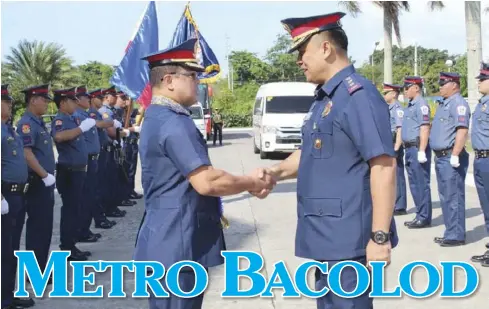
(105, 115)
(400, 113)
(424, 110)
(58, 122)
(93, 115)
(352, 85)
(26, 128)
(461, 110)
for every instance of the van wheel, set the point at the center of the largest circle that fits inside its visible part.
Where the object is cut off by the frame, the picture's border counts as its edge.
(256, 150)
(263, 155)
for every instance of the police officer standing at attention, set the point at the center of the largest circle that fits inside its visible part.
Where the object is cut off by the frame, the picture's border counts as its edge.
(480, 143)
(182, 188)
(391, 95)
(346, 167)
(67, 132)
(14, 185)
(217, 124)
(101, 221)
(449, 133)
(415, 134)
(39, 153)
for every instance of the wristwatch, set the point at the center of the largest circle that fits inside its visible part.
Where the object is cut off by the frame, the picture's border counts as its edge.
(380, 237)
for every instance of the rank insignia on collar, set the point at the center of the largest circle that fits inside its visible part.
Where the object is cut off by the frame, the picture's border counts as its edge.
(327, 109)
(317, 143)
(26, 128)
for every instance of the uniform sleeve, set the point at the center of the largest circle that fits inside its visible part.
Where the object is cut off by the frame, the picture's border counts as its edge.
(106, 114)
(182, 145)
(399, 116)
(27, 134)
(423, 113)
(368, 119)
(460, 113)
(58, 125)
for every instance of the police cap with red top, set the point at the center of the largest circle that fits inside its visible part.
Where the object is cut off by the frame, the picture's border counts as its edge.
(484, 73)
(448, 77)
(183, 55)
(81, 91)
(40, 90)
(97, 93)
(391, 87)
(302, 29)
(60, 94)
(110, 91)
(412, 80)
(6, 92)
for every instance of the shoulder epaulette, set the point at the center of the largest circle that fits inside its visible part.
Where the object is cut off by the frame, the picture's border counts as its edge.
(352, 85)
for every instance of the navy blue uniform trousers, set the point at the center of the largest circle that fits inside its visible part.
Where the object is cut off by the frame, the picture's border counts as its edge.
(89, 206)
(186, 282)
(39, 201)
(349, 283)
(481, 177)
(419, 182)
(451, 188)
(70, 181)
(113, 184)
(401, 198)
(10, 243)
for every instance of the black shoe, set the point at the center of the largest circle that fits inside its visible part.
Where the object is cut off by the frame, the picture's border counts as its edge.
(480, 258)
(104, 225)
(485, 263)
(83, 253)
(89, 238)
(97, 235)
(23, 302)
(127, 203)
(418, 224)
(407, 223)
(438, 240)
(400, 212)
(135, 195)
(116, 213)
(451, 243)
(13, 306)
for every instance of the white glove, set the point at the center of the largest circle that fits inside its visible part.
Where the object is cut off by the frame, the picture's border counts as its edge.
(49, 180)
(122, 143)
(422, 157)
(117, 123)
(126, 131)
(87, 124)
(4, 207)
(137, 129)
(454, 161)
(115, 143)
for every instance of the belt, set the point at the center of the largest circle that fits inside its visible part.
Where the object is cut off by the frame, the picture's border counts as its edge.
(72, 168)
(442, 152)
(93, 156)
(410, 144)
(15, 187)
(481, 154)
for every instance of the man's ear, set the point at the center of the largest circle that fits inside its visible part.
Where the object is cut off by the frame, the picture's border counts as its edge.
(168, 81)
(326, 49)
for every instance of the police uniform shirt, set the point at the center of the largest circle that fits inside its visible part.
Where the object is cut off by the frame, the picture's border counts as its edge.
(107, 114)
(180, 223)
(396, 114)
(14, 165)
(416, 114)
(452, 113)
(74, 152)
(102, 133)
(91, 136)
(35, 135)
(347, 125)
(480, 125)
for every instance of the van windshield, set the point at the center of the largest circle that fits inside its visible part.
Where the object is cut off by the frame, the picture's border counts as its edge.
(196, 112)
(289, 105)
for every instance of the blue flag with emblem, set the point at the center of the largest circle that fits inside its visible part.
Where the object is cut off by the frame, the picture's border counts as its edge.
(187, 29)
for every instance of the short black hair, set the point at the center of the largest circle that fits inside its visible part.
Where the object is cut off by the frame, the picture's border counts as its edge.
(339, 38)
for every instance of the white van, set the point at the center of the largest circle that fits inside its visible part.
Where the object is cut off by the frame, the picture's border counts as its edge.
(278, 116)
(197, 114)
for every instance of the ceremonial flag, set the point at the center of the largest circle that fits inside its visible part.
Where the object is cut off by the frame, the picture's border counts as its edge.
(187, 29)
(132, 74)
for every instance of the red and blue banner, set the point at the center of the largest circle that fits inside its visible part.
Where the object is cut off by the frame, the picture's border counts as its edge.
(187, 29)
(132, 74)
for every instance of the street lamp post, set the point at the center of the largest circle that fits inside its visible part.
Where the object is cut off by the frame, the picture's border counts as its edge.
(373, 69)
(449, 63)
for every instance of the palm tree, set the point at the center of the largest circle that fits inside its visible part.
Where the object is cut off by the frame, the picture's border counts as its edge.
(392, 11)
(474, 47)
(34, 63)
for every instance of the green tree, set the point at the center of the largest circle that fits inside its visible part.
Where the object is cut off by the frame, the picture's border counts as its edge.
(283, 65)
(95, 74)
(248, 67)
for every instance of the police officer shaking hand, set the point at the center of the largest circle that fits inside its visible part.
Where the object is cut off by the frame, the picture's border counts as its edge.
(181, 186)
(346, 167)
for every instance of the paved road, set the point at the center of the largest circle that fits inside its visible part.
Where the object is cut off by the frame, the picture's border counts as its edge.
(268, 227)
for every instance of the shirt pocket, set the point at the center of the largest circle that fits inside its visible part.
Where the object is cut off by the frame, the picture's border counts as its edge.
(322, 140)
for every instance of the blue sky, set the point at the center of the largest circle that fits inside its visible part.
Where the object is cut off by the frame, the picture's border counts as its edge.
(101, 30)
